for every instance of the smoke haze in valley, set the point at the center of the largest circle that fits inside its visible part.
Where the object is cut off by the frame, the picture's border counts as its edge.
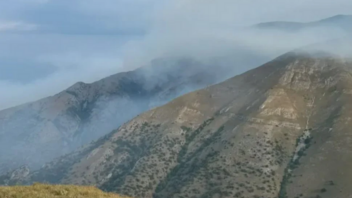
(46, 45)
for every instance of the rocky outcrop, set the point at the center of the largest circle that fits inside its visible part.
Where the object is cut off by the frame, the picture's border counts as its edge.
(17, 175)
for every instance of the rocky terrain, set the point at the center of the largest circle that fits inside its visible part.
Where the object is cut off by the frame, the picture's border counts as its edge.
(280, 130)
(35, 133)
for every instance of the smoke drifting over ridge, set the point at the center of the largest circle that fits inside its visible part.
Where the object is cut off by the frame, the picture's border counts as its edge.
(218, 37)
(98, 38)
(38, 132)
(211, 29)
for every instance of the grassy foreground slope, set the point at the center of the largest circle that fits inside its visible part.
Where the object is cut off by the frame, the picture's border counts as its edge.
(54, 191)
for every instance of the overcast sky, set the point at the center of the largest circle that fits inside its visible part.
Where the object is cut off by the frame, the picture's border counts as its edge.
(47, 45)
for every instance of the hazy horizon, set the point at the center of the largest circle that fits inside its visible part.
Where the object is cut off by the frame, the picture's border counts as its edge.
(49, 45)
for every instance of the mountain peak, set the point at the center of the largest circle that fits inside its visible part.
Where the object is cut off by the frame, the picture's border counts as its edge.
(338, 17)
(257, 127)
(84, 112)
(77, 85)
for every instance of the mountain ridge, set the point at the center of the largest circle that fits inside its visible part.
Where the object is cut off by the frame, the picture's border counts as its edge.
(343, 22)
(263, 128)
(84, 112)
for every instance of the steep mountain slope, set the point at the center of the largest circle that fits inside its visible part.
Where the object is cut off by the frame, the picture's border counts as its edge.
(342, 22)
(38, 132)
(281, 130)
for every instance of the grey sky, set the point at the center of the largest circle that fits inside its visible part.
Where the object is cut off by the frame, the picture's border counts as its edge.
(47, 45)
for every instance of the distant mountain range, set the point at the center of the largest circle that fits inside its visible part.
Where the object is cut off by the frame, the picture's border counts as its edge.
(343, 22)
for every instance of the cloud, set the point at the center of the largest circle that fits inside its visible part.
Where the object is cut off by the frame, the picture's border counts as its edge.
(70, 70)
(84, 40)
(206, 29)
(91, 16)
(6, 26)
(37, 66)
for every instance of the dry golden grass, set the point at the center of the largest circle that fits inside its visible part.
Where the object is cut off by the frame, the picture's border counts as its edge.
(54, 191)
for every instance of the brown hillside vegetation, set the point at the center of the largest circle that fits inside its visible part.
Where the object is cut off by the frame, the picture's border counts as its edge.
(282, 130)
(54, 191)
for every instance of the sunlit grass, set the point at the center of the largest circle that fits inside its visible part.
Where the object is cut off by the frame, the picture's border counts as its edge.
(54, 191)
